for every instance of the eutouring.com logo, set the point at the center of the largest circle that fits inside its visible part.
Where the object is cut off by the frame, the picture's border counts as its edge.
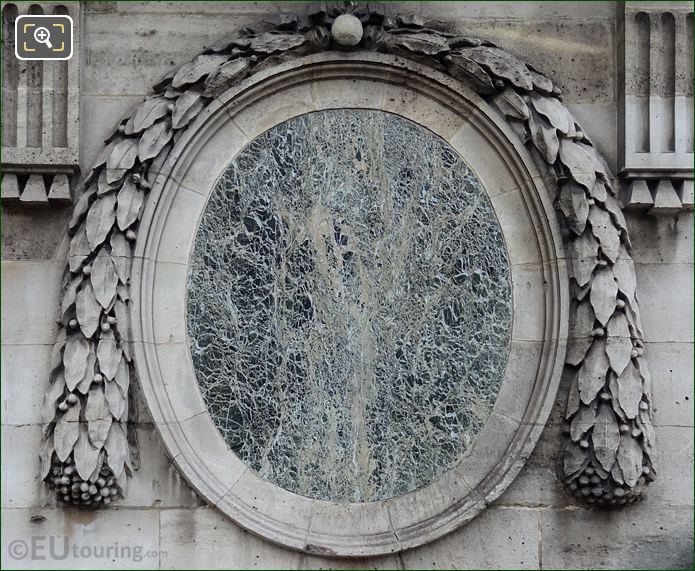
(61, 547)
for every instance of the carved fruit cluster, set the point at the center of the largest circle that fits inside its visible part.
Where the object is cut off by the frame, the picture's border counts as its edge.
(99, 489)
(609, 406)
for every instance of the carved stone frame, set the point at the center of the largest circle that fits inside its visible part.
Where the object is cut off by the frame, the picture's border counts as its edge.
(540, 291)
(610, 451)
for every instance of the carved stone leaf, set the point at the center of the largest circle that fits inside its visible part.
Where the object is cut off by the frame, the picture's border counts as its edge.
(575, 458)
(122, 481)
(540, 82)
(129, 127)
(85, 384)
(97, 415)
(511, 104)
(603, 295)
(171, 93)
(420, 43)
(630, 459)
(75, 360)
(607, 234)
(122, 317)
(268, 43)
(124, 416)
(573, 398)
(606, 437)
(67, 431)
(163, 81)
(197, 68)
(82, 206)
(100, 219)
(88, 309)
(630, 390)
(86, 455)
(556, 113)
(154, 139)
(643, 367)
(574, 206)
(648, 436)
(617, 473)
(120, 256)
(108, 354)
(147, 113)
(54, 394)
(502, 64)
(615, 391)
(130, 199)
(520, 130)
(579, 159)
(618, 342)
(125, 347)
(122, 292)
(118, 129)
(100, 163)
(633, 318)
(230, 42)
(585, 257)
(624, 270)
(187, 107)
(122, 377)
(101, 461)
(616, 212)
(544, 137)
(592, 374)
(598, 191)
(104, 278)
(465, 69)
(121, 159)
(216, 82)
(117, 448)
(581, 325)
(582, 422)
(114, 398)
(104, 187)
(79, 249)
(57, 351)
(46, 454)
(581, 292)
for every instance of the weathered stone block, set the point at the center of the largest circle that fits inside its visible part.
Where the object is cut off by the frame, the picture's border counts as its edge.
(638, 537)
(21, 485)
(30, 302)
(499, 538)
(78, 539)
(658, 286)
(671, 369)
(24, 381)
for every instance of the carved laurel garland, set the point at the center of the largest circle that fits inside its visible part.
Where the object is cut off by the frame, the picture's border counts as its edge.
(610, 453)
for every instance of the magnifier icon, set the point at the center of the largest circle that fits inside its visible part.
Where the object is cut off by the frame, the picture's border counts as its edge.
(43, 36)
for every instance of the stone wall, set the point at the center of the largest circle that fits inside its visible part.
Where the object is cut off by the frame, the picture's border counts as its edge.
(128, 46)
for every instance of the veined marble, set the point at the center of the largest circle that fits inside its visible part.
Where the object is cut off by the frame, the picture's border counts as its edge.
(349, 306)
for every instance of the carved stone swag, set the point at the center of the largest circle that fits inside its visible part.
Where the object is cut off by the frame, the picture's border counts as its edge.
(609, 456)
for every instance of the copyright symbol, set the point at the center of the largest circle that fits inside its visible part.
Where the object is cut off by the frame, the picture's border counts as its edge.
(18, 549)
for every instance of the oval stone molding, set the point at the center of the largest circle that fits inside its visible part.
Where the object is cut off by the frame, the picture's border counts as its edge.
(506, 120)
(539, 290)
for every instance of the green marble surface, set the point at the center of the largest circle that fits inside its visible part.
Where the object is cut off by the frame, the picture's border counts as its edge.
(349, 306)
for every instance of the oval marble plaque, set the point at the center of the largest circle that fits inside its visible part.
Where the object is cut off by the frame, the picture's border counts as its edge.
(349, 306)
